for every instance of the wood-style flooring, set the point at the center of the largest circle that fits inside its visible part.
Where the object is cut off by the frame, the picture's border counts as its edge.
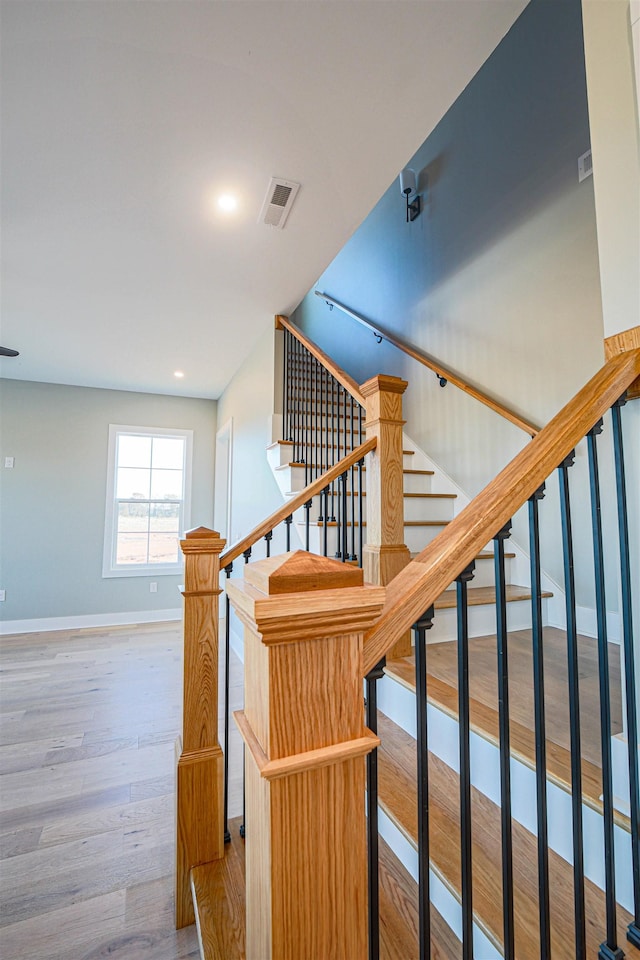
(88, 724)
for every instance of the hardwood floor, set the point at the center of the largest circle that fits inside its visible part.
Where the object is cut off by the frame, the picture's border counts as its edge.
(88, 724)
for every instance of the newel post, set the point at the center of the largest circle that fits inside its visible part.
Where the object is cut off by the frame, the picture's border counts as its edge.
(306, 742)
(200, 768)
(385, 553)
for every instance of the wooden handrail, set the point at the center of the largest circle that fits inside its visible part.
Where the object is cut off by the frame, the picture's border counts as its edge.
(419, 585)
(311, 490)
(347, 382)
(438, 368)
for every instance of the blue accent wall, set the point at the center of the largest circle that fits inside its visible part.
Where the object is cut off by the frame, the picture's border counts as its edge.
(504, 153)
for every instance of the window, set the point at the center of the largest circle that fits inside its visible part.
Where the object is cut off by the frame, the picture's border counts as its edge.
(148, 491)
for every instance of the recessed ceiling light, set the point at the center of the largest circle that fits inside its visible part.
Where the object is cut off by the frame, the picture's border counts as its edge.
(179, 374)
(227, 202)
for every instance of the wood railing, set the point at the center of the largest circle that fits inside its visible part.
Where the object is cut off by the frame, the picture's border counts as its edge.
(422, 581)
(296, 502)
(445, 374)
(350, 385)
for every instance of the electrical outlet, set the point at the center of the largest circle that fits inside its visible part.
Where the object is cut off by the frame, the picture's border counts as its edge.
(153, 588)
(9, 462)
(3, 595)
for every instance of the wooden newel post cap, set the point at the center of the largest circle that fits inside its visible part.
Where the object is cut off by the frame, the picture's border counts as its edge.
(202, 540)
(383, 384)
(301, 595)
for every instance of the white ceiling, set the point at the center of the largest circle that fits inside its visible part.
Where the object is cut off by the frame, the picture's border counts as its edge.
(122, 120)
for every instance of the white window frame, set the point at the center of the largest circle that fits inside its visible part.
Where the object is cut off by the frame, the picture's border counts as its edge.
(110, 568)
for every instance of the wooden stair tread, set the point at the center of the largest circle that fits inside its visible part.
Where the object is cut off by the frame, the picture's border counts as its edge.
(432, 496)
(399, 915)
(484, 722)
(422, 473)
(481, 595)
(483, 555)
(397, 793)
(218, 890)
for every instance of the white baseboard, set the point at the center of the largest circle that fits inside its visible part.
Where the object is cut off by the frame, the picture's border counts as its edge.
(46, 624)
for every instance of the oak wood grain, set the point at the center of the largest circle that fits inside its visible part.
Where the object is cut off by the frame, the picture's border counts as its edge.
(424, 579)
(295, 502)
(305, 768)
(385, 553)
(620, 343)
(397, 766)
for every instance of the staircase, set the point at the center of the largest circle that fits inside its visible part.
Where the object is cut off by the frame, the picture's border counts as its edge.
(467, 892)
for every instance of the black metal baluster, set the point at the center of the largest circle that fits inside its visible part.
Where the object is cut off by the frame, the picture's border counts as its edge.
(345, 555)
(540, 726)
(420, 628)
(315, 419)
(465, 762)
(227, 836)
(338, 553)
(307, 508)
(323, 418)
(268, 537)
(608, 950)
(372, 812)
(295, 401)
(325, 529)
(288, 521)
(352, 476)
(360, 509)
(505, 748)
(574, 709)
(633, 930)
(247, 556)
(353, 555)
(307, 417)
(285, 366)
(332, 454)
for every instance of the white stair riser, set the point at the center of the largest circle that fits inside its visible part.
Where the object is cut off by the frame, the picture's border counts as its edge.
(481, 620)
(416, 482)
(399, 704)
(417, 538)
(428, 508)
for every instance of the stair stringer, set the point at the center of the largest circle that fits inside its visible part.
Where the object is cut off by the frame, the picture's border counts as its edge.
(399, 704)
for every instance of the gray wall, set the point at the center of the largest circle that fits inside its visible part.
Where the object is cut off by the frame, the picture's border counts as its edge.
(249, 401)
(53, 501)
(499, 276)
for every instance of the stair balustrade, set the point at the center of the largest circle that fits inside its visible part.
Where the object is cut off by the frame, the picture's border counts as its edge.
(282, 695)
(450, 556)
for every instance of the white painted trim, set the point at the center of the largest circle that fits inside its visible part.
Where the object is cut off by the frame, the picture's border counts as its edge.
(46, 624)
(110, 568)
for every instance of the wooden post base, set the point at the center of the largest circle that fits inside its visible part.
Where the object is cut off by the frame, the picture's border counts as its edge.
(199, 819)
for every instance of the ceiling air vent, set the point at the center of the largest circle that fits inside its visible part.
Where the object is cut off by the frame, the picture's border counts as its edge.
(278, 202)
